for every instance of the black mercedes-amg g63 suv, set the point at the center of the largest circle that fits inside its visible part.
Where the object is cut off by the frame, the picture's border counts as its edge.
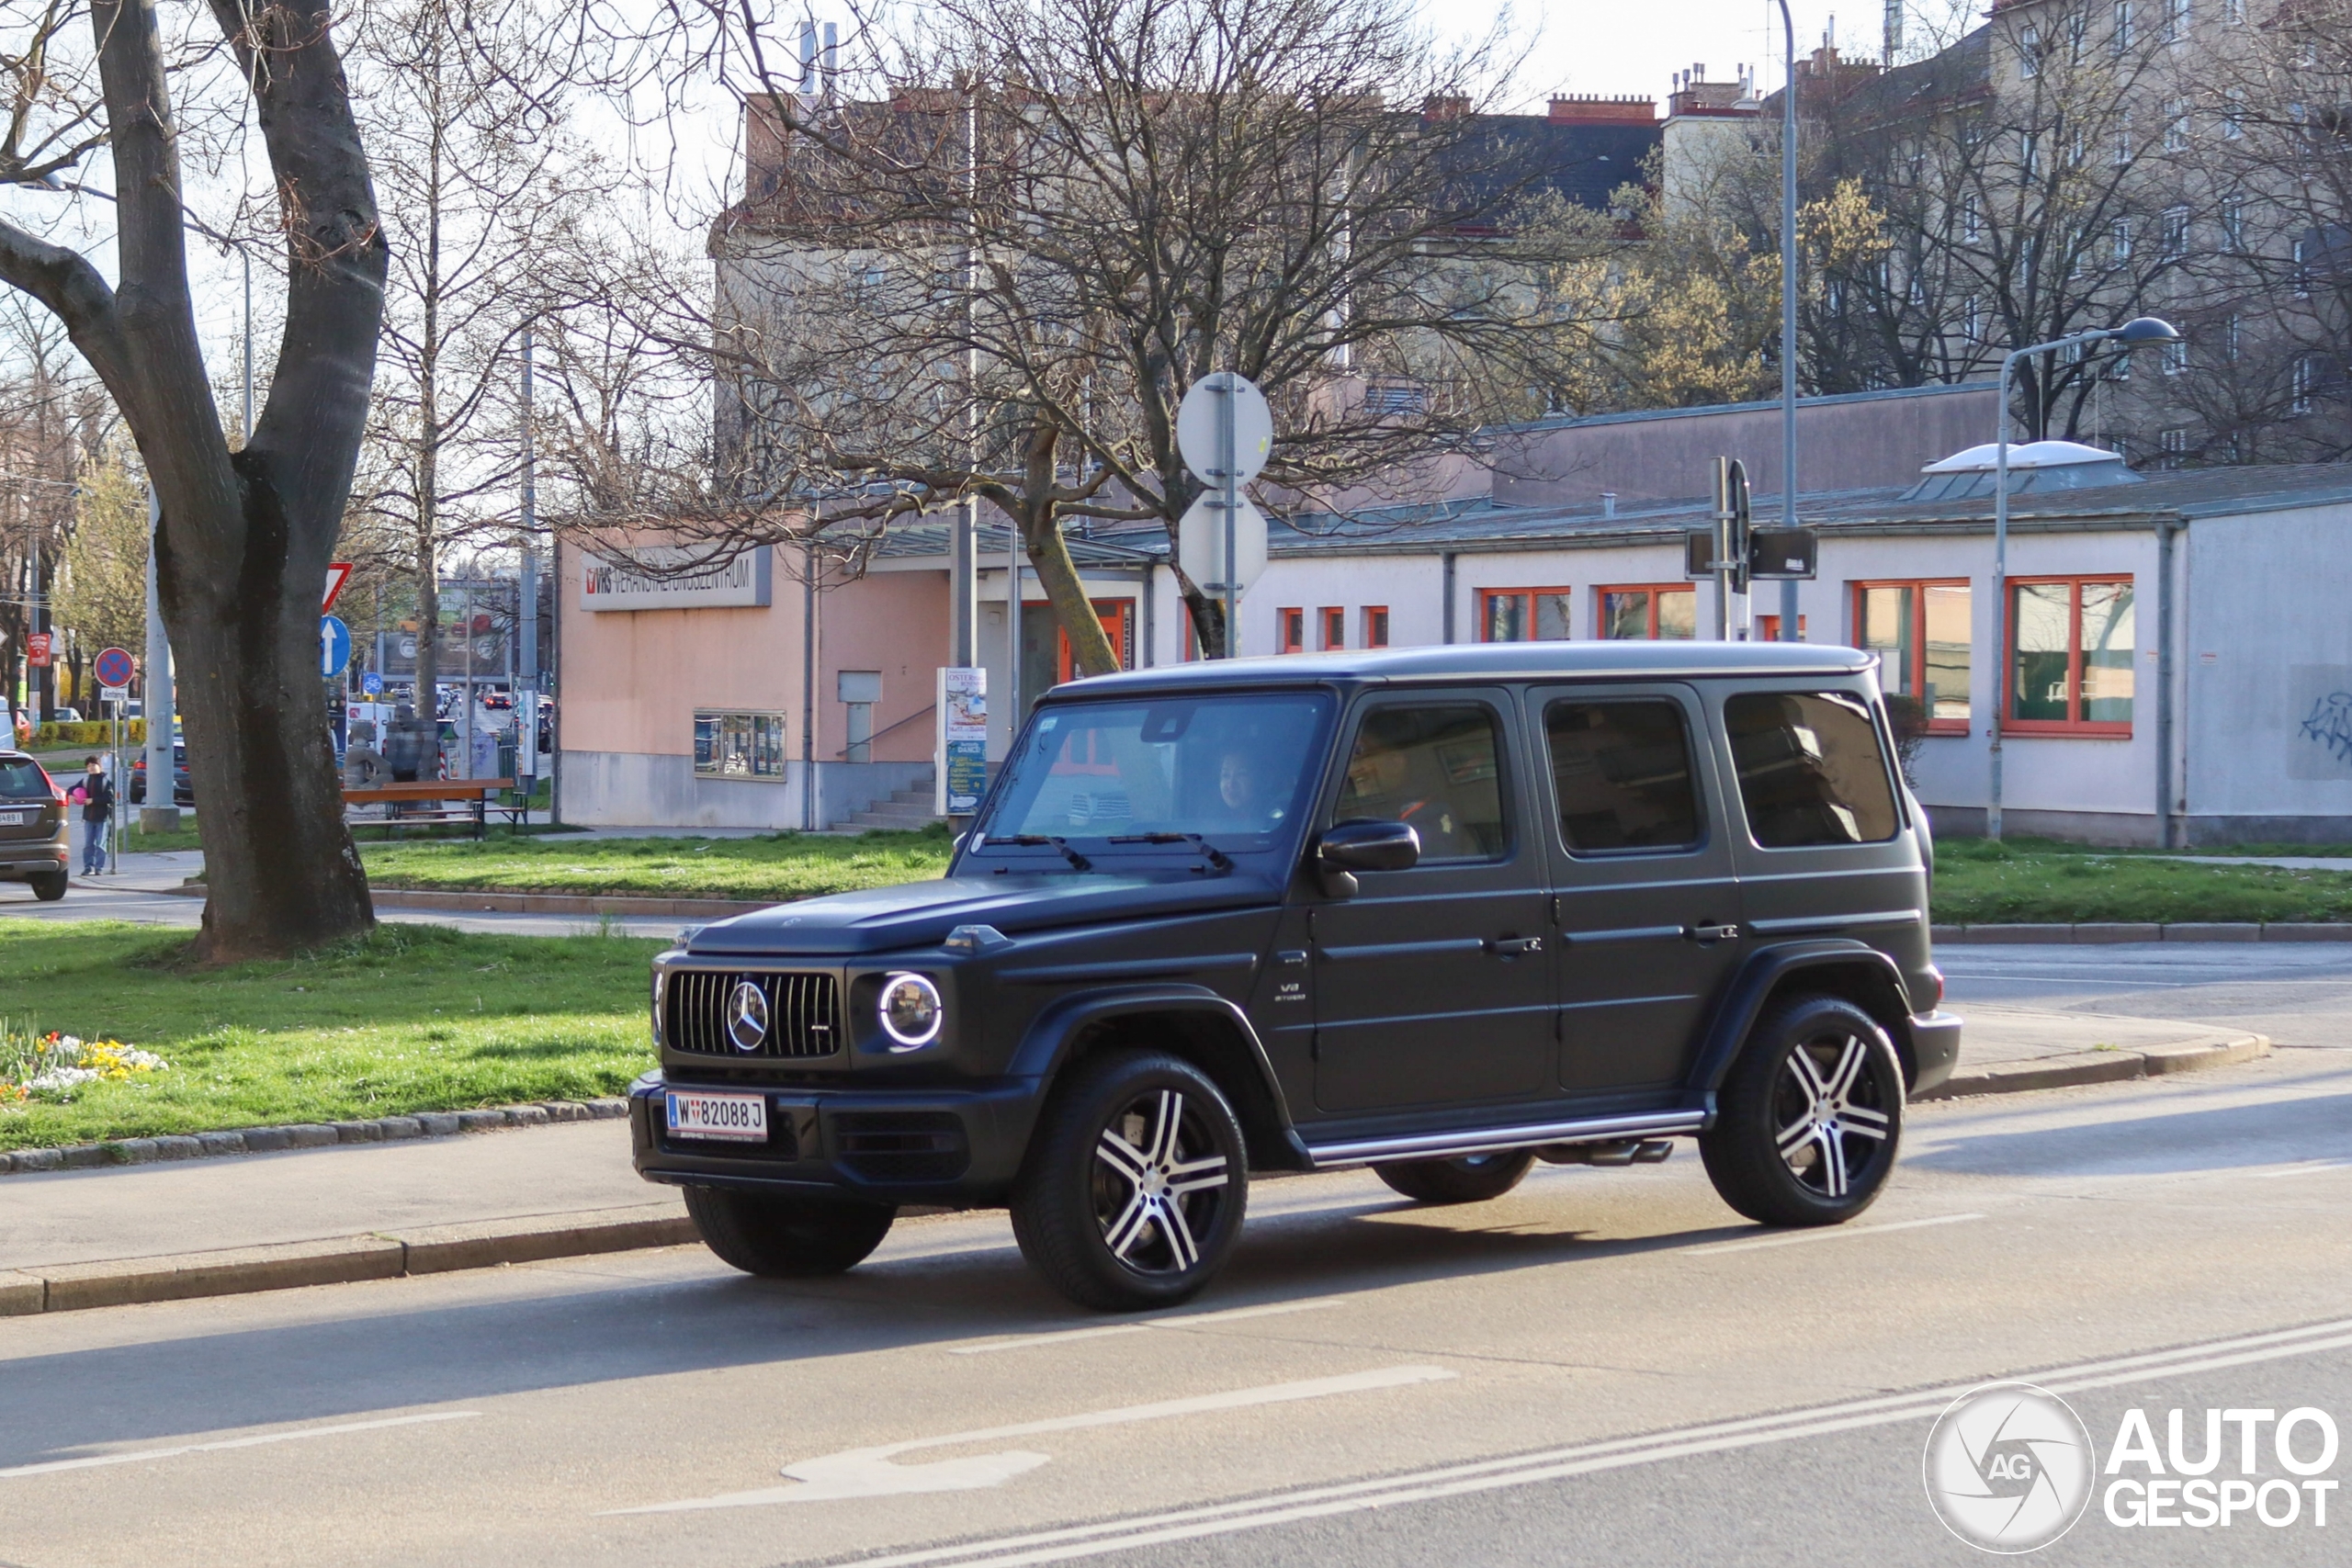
(1440, 911)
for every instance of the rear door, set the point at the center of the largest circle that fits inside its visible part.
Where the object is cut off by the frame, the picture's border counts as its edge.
(1646, 905)
(28, 812)
(1432, 986)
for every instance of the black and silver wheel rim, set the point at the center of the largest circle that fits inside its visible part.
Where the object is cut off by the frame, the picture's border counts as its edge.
(1160, 1182)
(1833, 1114)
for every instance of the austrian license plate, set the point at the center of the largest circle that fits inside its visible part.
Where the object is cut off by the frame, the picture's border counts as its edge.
(740, 1118)
(15, 819)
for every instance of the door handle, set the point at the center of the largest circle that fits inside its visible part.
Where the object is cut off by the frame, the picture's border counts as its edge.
(1514, 946)
(1710, 933)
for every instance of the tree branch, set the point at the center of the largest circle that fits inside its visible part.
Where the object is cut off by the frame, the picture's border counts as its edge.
(64, 280)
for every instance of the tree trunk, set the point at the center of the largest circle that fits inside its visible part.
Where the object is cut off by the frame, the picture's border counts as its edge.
(244, 541)
(1091, 652)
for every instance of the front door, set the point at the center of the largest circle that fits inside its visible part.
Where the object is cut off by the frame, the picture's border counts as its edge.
(1433, 985)
(1647, 906)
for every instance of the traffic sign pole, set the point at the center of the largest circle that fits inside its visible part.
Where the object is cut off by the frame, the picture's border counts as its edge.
(1227, 463)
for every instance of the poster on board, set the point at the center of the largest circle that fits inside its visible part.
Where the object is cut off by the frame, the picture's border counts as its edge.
(963, 740)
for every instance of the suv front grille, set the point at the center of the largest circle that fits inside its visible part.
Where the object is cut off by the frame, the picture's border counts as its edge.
(803, 1013)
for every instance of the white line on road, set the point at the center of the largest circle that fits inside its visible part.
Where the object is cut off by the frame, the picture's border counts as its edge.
(1827, 1233)
(140, 1456)
(1225, 1518)
(1187, 1320)
(869, 1472)
(2305, 1167)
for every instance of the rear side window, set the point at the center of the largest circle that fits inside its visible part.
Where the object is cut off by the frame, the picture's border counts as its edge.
(1438, 768)
(1810, 769)
(1622, 774)
(23, 780)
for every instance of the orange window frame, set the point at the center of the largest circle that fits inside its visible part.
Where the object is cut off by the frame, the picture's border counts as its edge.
(1333, 626)
(1290, 628)
(1601, 599)
(2010, 724)
(1375, 625)
(1486, 596)
(1917, 588)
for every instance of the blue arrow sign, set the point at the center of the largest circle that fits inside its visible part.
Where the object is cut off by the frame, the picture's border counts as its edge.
(334, 645)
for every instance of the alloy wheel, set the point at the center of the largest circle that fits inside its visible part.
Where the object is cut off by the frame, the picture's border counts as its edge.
(1830, 1114)
(1159, 1182)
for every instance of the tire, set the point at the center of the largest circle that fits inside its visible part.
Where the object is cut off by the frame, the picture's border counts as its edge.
(1136, 1183)
(1810, 1118)
(1471, 1178)
(49, 886)
(787, 1238)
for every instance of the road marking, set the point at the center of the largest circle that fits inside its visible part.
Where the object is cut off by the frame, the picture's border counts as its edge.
(140, 1456)
(1186, 1320)
(1827, 1233)
(1259, 1513)
(870, 1473)
(2305, 1167)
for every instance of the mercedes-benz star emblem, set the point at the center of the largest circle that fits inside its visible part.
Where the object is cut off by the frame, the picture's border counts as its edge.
(747, 1015)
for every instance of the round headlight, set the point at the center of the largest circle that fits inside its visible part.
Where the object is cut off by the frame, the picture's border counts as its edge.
(910, 1012)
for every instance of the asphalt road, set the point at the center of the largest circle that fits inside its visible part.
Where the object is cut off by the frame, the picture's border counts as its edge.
(1605, 1367)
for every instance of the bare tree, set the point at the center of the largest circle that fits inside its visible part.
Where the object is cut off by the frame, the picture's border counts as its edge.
(245, 535)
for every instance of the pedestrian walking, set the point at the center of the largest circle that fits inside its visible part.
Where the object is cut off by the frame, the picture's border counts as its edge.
(97, 791)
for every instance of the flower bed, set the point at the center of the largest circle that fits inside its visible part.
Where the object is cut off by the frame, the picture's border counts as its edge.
(52, 1066)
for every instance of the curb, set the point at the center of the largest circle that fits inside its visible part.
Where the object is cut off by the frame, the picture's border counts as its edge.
(485, 902)
(428, 1249)
(308, 1135)
(2098, 1066)
(2184, 930)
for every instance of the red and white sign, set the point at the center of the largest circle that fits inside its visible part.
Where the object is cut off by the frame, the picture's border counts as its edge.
(338, 573)
(37, 650)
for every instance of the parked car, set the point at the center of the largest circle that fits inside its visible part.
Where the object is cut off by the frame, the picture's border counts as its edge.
(497, 702)
(182, 788)
(36, 843)
(1440, 911)
(66, 716)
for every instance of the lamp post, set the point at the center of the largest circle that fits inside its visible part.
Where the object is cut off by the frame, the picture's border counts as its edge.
(1789, 315)
(2139, 330)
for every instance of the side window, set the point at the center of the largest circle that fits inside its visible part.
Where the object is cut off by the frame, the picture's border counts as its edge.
(1623, 772)
(1438, 768)
(1810, 769)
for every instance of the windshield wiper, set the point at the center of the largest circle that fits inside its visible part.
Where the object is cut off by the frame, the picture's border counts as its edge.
(1215, 856)
(1077, 862)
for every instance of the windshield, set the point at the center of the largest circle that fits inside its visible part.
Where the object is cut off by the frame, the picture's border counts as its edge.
(21, 779)
(1232, 769)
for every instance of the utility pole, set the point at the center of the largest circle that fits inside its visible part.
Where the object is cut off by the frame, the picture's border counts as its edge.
(160, 813)
(526, 606)
(963, 579)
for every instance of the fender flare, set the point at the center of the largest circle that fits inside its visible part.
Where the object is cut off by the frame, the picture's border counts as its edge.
(1764, 970)
(1045, 1049)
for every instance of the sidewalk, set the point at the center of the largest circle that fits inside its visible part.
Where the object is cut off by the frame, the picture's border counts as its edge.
(101, 1237)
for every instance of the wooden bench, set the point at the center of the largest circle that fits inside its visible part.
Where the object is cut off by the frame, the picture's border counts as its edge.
(472, 795)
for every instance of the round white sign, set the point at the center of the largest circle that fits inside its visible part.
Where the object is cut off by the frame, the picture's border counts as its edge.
(2009, 1467)
(1199, 427)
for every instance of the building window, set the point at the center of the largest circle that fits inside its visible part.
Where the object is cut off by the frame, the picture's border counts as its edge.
(1290, 630)
(2122, 237)
(2234, 222)
(1922, 635)
(2030, 52)
(1972, 221)
(2072, 643)
(2172, 449)
(2122, 34)
(2029, 156)
(1522, 614)
(1335, 626)
(1375, 625)
(2177, 126)
(739, 745)
(2079, 28)
(2123, 139)
(2233, 114)
(2302, 271)
(2175, 233)
(1666, 611)
(2307, 378)
(2176, 21)
(2176, 356)
(2234, 12)
(1973, 319)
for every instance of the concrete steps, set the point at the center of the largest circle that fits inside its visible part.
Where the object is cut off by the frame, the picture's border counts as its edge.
(906, 808)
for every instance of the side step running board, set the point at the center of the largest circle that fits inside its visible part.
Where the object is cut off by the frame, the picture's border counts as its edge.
(1647, 1124)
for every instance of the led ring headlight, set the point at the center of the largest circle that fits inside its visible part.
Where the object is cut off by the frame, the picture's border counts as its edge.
(910, 1012)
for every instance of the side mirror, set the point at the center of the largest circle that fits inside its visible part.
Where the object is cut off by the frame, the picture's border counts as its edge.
(1349, 846)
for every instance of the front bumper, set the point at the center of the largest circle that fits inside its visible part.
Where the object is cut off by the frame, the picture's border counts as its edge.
(959, 1148)
(1935, 1048)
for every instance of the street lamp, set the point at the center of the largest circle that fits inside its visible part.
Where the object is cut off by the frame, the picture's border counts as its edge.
(2139, 330)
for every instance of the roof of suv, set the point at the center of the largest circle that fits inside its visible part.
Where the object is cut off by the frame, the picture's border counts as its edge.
(1495, 662)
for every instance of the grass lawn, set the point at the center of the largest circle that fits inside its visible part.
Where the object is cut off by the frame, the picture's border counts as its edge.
(412, 1018)
(1979, 881)
(777, 866)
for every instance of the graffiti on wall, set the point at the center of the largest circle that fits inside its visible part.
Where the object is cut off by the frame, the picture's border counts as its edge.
(2330, 724)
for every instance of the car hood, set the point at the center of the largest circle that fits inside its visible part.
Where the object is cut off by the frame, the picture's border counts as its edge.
(921, 914)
